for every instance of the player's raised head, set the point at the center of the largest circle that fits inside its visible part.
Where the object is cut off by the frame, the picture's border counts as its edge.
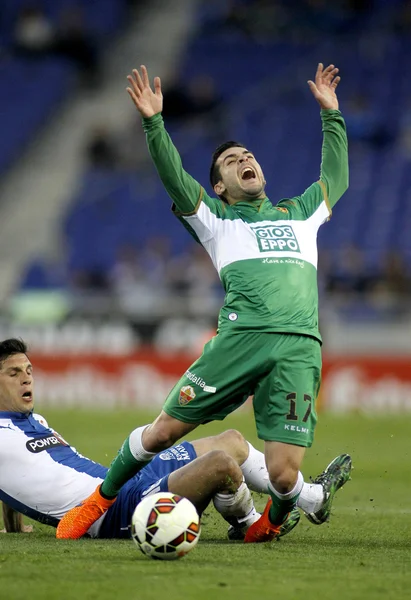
(16, 377)
(235, 174)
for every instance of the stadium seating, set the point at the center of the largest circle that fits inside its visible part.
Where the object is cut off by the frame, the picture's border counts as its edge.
(269, 109)
(109, 16)
(45, 83)
(31, 89)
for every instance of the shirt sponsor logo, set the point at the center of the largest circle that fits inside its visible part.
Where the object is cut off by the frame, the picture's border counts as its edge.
(44, 443)
(278, 238)
(186, 395)
(200, 382)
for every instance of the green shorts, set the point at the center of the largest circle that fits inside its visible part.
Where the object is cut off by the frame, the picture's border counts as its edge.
(282, 371)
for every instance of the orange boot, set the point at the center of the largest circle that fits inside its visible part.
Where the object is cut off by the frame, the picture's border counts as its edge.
(77, 521)
(262, 530)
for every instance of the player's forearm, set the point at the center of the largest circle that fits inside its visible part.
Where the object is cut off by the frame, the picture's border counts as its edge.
(181, 187)
(334, 165)
(13, 521)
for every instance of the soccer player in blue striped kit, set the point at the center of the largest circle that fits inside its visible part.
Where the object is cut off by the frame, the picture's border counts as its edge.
(43, 477)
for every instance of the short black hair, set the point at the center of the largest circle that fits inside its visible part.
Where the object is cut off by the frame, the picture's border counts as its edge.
(10, 347)
(214, 169)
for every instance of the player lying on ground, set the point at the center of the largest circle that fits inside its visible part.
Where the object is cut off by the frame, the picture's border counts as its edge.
(43, 477)
(268, 343)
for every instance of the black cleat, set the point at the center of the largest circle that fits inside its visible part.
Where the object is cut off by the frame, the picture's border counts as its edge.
(332, 479)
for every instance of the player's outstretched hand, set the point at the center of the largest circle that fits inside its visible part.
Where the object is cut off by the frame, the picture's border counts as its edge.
(147, 102)
(323, 89)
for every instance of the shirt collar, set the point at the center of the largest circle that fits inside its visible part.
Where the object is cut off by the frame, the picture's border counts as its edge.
(255, 204)
(10, 414)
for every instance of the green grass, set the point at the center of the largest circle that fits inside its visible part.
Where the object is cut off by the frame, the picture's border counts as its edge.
(363, 553)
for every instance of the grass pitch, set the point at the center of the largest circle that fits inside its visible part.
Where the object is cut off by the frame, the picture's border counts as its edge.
(363, 553)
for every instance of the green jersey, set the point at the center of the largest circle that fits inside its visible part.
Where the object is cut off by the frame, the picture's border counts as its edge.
(265, 254)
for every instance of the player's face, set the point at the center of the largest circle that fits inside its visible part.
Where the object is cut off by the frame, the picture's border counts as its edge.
(16, 384)
(241, 177)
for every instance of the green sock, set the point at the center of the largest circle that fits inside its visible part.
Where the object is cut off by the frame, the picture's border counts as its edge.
(123, 468)
(281, 507)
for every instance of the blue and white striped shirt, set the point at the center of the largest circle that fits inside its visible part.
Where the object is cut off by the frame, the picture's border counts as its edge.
(41, 475)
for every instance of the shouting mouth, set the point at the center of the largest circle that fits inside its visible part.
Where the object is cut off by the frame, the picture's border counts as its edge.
(248, 173)
(27, 395)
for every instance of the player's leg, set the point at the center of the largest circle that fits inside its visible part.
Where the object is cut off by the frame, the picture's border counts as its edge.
(316, 496)
(140, 447)
(232, 442)
(252, 465)
(180, 471)
(213, 473)
(212, 388)
(131, 458)
(285, 416)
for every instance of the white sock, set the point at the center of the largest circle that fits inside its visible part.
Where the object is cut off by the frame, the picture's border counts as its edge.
(311, 497)
(296, 489)
(254, 471)
(245, 522)
(136, 445)
(256, 477)
(239, 504)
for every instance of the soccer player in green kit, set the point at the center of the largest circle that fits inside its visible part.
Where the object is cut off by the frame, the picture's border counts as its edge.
(268, 343)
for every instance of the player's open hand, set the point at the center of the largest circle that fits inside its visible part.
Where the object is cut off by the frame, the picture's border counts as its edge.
(147, 102)
(323, 89)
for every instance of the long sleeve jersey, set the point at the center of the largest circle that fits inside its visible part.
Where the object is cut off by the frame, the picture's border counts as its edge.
(265, 254)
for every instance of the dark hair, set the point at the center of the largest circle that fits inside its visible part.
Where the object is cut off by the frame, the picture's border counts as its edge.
(10, 347)
(214, 169)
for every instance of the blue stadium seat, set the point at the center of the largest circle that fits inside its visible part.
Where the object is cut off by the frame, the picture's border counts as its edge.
(270, 112)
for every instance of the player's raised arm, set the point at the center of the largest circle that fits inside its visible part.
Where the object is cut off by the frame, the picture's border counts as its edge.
(182, 188)
(334, 165)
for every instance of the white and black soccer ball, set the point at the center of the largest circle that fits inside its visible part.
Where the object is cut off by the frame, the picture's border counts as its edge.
(165, 526)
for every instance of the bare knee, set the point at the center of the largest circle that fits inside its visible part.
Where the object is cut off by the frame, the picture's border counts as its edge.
(226, 469)
(236, 444)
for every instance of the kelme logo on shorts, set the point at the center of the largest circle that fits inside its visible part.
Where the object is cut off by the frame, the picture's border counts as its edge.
(276, 238)
(186, 395)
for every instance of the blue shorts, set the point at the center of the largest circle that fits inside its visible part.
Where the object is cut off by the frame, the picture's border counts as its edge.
(150, 480)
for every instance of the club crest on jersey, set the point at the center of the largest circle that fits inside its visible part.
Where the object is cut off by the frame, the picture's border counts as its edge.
(276, 238)
(187, 394)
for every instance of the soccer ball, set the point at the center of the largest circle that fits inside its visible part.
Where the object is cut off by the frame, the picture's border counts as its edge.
(165, 526)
